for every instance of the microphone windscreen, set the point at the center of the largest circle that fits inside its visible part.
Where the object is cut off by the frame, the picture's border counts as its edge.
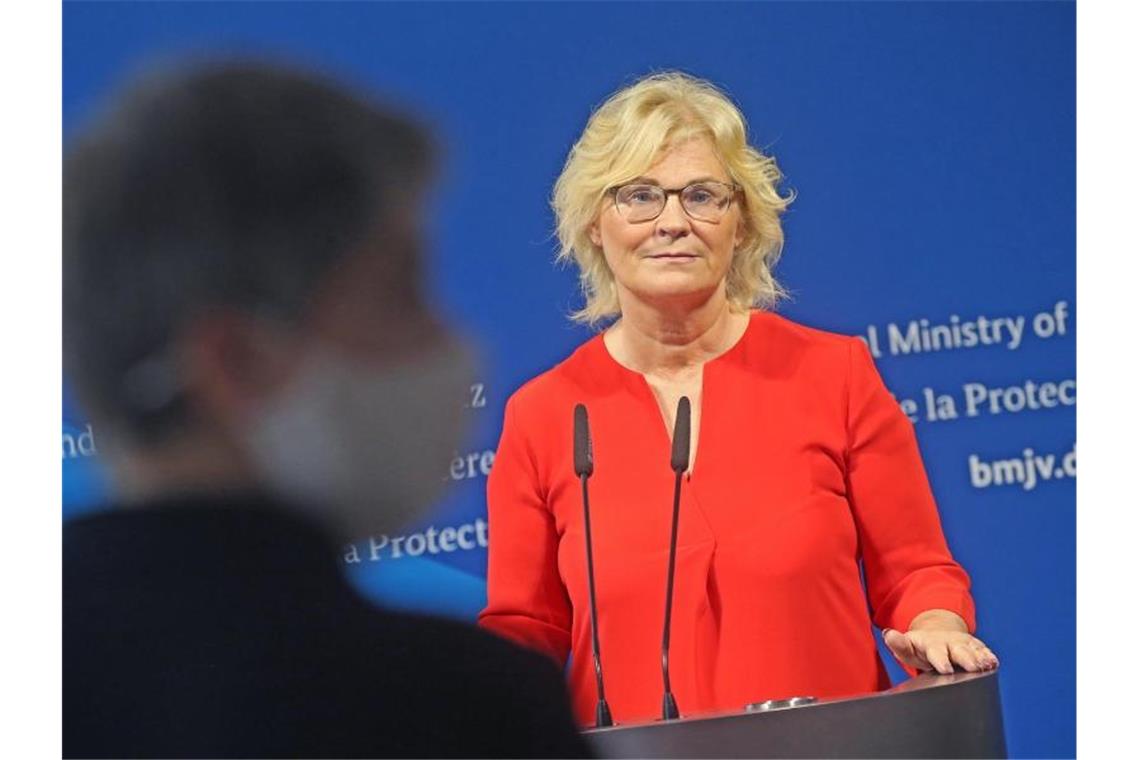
(681, 436)
(583, 453)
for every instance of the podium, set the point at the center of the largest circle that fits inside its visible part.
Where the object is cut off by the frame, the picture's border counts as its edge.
(931, 715)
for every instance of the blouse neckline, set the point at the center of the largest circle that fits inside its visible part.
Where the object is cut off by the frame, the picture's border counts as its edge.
(638, 384)
(727, 354)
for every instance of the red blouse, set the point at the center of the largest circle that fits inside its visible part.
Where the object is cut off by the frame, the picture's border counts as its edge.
(807, 470)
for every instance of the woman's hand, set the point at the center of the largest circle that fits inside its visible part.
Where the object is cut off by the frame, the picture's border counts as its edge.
(938, 640)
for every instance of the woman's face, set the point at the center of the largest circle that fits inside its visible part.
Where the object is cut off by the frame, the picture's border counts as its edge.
(673, 256)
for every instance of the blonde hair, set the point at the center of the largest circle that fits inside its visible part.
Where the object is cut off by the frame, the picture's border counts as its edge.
(623, 138)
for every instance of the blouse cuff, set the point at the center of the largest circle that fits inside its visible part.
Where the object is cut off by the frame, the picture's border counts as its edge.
(953, 599)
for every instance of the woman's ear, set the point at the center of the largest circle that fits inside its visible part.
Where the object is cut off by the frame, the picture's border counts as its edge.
(595, 234)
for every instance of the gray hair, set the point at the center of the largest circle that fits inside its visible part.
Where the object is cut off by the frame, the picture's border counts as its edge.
(221, 185)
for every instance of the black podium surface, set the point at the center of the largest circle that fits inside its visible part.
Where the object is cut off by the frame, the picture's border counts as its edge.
(932, 715)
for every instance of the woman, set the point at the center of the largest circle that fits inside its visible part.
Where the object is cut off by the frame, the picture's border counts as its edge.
(802, 469)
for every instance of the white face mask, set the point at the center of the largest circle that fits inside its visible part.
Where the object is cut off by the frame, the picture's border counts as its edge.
(365, 449)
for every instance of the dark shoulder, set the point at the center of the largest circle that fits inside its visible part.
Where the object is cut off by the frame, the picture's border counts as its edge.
(508, 701)
(460, 647)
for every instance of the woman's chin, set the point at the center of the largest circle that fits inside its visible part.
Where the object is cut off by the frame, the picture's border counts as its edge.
(670, 290)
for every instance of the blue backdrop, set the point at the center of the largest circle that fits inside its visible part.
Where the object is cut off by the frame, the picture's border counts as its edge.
(932, 146)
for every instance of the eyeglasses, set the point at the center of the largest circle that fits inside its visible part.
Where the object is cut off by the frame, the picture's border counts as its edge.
(706, 201)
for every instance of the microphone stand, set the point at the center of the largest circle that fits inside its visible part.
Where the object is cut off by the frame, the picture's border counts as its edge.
(584, 467)
(680, 463)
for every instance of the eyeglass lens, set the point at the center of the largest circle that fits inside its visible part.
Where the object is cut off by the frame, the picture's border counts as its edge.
(703, 200)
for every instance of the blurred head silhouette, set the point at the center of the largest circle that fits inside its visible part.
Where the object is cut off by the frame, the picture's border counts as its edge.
(242, 294)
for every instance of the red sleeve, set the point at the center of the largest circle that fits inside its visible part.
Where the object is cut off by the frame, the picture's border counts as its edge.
(907, 565)
(526, 601)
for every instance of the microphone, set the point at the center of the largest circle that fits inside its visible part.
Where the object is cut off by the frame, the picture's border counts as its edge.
(681, 433)
(679, 462)
(584, 468)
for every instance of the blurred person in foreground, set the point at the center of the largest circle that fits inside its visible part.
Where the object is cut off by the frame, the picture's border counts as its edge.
(803, 476)
(243, 321)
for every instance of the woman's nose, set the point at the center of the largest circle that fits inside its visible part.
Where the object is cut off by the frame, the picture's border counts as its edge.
(673, 222)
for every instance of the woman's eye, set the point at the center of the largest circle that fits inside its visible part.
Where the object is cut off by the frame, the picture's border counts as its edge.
(642, 196)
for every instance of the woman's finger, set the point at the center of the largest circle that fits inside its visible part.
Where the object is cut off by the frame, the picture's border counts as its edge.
(903, 648)
(983, 654)
(988, 657)
(966, 656)
(938, 656)
(899, 645)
